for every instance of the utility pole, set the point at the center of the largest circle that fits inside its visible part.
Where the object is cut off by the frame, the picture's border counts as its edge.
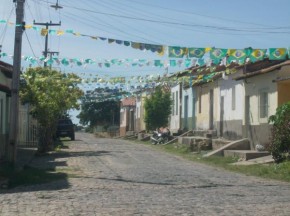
(14, 109)
(46, 52)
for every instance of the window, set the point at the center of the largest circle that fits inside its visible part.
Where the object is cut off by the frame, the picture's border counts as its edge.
(264, 104)
(233, 98)
(176, 108)
(199, 103)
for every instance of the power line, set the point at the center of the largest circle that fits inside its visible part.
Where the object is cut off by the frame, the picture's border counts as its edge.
(180, 24)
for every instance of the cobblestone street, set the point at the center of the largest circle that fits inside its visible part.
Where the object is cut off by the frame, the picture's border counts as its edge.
(115, 177)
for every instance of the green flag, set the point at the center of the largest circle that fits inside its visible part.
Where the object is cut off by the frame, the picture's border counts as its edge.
(172, 63)
(196, 52)
(187, 63)
(237, 54)
(257, 54)
(217, 54)
(177, 52)
(277, 53)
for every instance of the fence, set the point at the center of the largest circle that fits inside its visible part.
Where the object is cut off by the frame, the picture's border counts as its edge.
(27, 132)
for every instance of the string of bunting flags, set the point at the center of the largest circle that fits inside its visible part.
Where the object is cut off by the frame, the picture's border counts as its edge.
(215, 54)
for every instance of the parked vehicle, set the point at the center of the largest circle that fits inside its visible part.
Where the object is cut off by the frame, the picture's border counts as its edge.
(65, 128)
(160, 136)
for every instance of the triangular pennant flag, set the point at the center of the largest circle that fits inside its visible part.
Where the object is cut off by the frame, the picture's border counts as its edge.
(127, 43)
(59, 32)
(111, 40)
(44, 32)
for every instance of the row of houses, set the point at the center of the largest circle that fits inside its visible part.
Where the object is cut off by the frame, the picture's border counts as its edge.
(27, 134)
(234, 103)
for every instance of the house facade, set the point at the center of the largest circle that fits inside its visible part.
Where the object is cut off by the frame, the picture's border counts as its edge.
(265, 89)
(140, 112)
(5, 98)
(230, 107)
(127, 116)
(188, 119)
(175, 117)
(206, 105)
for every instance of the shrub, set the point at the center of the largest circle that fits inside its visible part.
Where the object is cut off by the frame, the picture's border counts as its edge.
(279, 146)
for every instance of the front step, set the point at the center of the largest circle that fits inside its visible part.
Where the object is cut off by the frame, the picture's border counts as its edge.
(245, 154)
(195, 143)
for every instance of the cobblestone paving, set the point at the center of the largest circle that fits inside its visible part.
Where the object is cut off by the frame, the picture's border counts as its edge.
(115, 177)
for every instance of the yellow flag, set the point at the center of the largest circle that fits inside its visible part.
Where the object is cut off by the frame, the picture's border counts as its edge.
(161, 52)
(28, 26)
(207, 49)
(60, 32)
(44, 32)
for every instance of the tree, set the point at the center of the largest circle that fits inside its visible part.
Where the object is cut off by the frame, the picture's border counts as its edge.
(279, 146)
(51, 94)
(157, 109)
(95, 113)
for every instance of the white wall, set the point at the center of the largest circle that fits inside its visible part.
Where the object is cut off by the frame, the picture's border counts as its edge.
(175, 117)
(227, 88)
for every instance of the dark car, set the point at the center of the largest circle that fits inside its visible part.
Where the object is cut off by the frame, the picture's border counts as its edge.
(65, 128)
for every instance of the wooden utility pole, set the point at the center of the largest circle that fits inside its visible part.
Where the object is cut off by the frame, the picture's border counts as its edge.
(46, 52)
(14, 109)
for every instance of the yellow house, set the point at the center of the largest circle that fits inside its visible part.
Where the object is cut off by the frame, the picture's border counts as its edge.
(267, 86)
(207, 93)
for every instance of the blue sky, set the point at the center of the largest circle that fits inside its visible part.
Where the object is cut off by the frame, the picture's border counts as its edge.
(189, 23)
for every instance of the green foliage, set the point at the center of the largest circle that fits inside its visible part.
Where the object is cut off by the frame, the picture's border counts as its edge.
(50, 94)
(280, 139)
(99, 113)
(157, 109)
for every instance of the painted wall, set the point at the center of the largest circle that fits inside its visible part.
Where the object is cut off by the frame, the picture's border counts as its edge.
(284, 85)
(258, 88)
(140, 112)
(190, 110)
(203, 105)
(176, 112)
(231, 110)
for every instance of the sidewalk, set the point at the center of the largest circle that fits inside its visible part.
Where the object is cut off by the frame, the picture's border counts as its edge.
(24, 156)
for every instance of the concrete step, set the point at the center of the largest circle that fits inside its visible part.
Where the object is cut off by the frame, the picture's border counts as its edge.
(205, 133)
(261, 160)
(219, 143)
(242, 144)
(245, 154)
(196, 143)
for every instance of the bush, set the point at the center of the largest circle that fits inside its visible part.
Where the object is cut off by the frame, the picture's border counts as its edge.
(279, 146)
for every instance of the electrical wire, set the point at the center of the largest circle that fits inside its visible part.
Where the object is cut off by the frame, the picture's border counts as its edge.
(3, 34)
(175, 23)
(31, 46)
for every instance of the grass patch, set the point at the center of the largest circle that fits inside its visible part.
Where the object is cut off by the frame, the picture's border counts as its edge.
(270, 171)
(28, 176)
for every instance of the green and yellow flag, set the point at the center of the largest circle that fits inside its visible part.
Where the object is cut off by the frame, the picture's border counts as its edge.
(257, 54)
(177, 52)
(217, 54)
(196, 52)
(237, 54)
(277, 53)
